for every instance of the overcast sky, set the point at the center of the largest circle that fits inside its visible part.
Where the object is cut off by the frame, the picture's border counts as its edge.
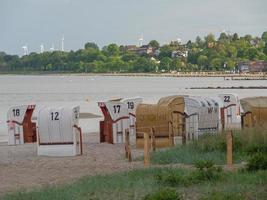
(35, 22)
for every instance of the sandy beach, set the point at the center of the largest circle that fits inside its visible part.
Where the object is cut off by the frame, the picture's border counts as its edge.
(22, 169)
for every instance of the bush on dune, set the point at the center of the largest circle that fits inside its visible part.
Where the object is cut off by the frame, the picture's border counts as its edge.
(213, 147)
(164, 194)
(206, 171)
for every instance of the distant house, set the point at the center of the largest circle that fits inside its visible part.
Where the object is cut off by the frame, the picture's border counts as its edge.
(252, 66)
(142, 50)
(131, 48)
(255, 42)
(145, 49)
(156, 52)
(179, 54)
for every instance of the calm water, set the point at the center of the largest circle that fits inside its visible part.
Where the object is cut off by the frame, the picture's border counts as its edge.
(86, 91)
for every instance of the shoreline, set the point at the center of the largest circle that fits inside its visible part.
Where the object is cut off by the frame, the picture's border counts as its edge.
(254, 76)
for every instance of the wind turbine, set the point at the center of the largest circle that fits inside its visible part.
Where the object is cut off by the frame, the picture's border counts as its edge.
(41, 48)
(62, 43)
(141, 40)
(25, 49)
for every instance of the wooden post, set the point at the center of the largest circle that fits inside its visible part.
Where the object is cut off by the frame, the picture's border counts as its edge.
(146, 150)
(229, 158)
(152, 135)
(171, 134)
(126, 143)
(128, 153)
(183, 131)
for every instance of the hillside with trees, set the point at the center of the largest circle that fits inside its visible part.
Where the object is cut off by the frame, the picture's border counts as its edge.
(203, 54)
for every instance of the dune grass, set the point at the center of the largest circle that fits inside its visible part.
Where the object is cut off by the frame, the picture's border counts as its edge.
(127, 185)
(212, 147)
(137, 184)
(188, 183)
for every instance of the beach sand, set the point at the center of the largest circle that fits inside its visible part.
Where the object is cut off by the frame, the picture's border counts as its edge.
(22, 169)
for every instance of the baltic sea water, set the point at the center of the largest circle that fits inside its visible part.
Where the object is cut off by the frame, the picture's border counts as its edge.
(86, 91)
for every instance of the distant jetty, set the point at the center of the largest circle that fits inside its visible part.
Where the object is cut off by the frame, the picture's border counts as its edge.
(226, 76)
(232, 87)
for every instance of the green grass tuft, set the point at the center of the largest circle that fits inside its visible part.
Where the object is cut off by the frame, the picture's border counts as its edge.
(213, 147)
(164, 194)
(136, 184)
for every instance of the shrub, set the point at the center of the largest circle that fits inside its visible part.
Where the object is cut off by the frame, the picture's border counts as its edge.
(210, 142)
(257, 161)
(256, 148)
(163, 194)
(204, 164)
(206, 171)
(213, 147)
(223, 196)
(171, 177)
(217, 142)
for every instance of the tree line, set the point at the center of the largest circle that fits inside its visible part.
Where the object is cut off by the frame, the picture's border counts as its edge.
(205, 54)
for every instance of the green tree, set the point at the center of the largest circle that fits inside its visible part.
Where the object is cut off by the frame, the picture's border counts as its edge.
(265, 48)
(189, 44)
(115, 64)
(223, 37)
(210, 38)
(248, 38)
(199, 42)
(230, 64)
(154, 44)
(176, 64)
(111, 50)
(165, 51)
(143, 64)
(216, 63)
(253, 53)
(235, 37)
(165, 64)
(202, 61)
(231, 51)
(91, 45)
(264, 36)
(127, 57)
(98, 66)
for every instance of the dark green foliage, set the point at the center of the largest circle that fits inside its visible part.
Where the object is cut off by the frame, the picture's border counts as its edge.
(257, 161)
(154, 44)
(224, 196)
(163, 194)
(206, 171)
(136, 184)
(256, 148)
(213, 147)
(172, 177)
(92, 45)
(205, 54)
(264, 36)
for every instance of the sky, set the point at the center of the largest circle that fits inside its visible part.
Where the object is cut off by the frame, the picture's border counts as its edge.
(36, 22)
